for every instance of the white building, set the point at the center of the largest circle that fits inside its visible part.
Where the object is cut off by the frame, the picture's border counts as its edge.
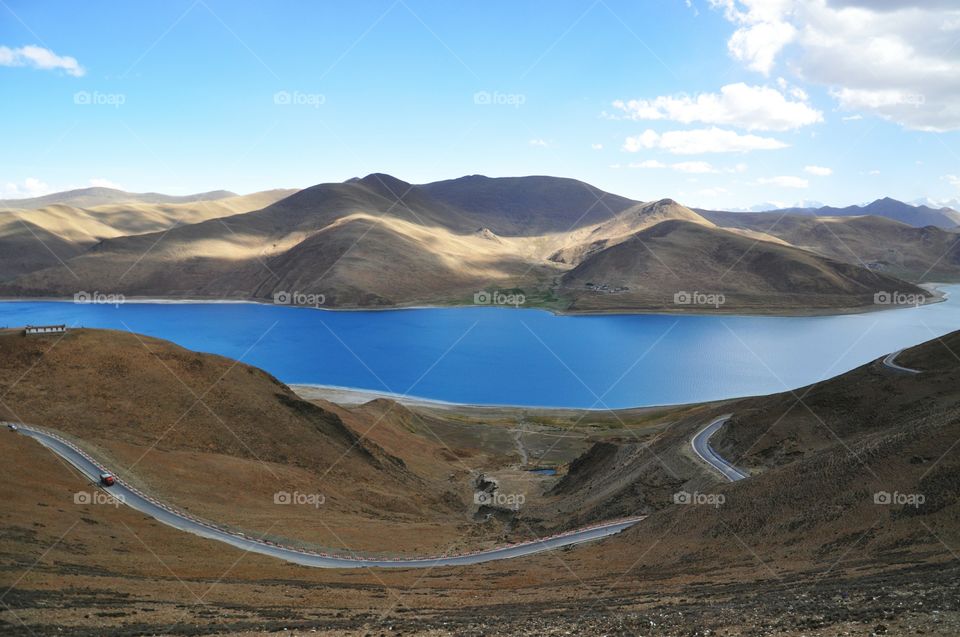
(45, 329)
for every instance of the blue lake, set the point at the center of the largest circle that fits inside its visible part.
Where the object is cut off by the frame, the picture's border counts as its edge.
(521, 357)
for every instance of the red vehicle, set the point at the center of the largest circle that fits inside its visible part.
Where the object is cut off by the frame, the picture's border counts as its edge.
(107, 480)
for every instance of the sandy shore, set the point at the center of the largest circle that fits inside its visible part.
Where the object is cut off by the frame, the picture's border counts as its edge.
(350, 396)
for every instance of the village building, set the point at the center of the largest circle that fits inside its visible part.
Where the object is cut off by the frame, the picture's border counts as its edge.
(44, 329)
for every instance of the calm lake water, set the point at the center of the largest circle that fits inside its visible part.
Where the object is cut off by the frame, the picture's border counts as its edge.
(521, 357)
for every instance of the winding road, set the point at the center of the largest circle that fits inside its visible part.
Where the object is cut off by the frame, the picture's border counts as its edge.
(889, 362)
(701, 446)
(161, 512)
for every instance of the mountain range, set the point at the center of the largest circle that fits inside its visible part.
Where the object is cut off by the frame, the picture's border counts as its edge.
(919, 214)
(99, 196)
(378, 241)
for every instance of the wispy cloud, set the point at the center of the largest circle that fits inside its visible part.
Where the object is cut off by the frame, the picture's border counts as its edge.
(38, 57)
(740, 105)
(30, 187)
(694, 167)
(697, 141)
(98, 182)
(785, 181)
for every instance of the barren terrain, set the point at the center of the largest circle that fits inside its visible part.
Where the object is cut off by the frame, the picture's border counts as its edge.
(802, 547)
(382, 242)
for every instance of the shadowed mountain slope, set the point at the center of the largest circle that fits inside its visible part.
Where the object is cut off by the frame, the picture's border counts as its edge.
(680, 256)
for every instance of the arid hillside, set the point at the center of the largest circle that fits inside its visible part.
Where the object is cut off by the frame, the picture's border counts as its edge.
(99, 196)
(220, 438)
(830, 518)
(918, 216)
(382, 242)
(34, 238)
(918, 254)
(682, 257)
(858, 473)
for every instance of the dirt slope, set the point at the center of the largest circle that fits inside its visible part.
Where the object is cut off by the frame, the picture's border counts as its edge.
(913, 253)
(98, 196)
(799, 549)
(676, 256)
(380, 242)
(821, 471)
(45, 237)
(220, 438)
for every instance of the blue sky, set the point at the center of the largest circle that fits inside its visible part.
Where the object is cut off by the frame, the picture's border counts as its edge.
(185, 96)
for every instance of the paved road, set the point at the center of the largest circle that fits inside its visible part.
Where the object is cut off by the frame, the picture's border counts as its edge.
(186, 522)
(889, 362)
(701, 446)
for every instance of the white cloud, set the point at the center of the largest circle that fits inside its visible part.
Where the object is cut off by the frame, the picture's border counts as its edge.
(104, 183)
(31, 187)
(741, 105)
(693, 167)
(596, 146)
(698, 141)
(820, 171)
(542, 143)
(758, 44)
(646, 139)
(852, 118)
(892, 58)
(649, 163)
(785, 181)
(712, 192)
(40, 58)
(763, 30)
(953, 180)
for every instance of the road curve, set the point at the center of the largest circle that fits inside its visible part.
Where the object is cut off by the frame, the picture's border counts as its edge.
(139, 501)
(701, 446)
(889, 362)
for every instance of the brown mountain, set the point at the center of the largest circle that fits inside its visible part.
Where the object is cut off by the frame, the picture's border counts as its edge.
(677, 257)
(914, 253)
(36, 238)
(917, 216)
(98, 196)
(380, 241)
(824, 462)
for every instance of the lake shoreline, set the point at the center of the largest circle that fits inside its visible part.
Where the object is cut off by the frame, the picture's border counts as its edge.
(354, 397)
(521, 361)
(933, 288)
